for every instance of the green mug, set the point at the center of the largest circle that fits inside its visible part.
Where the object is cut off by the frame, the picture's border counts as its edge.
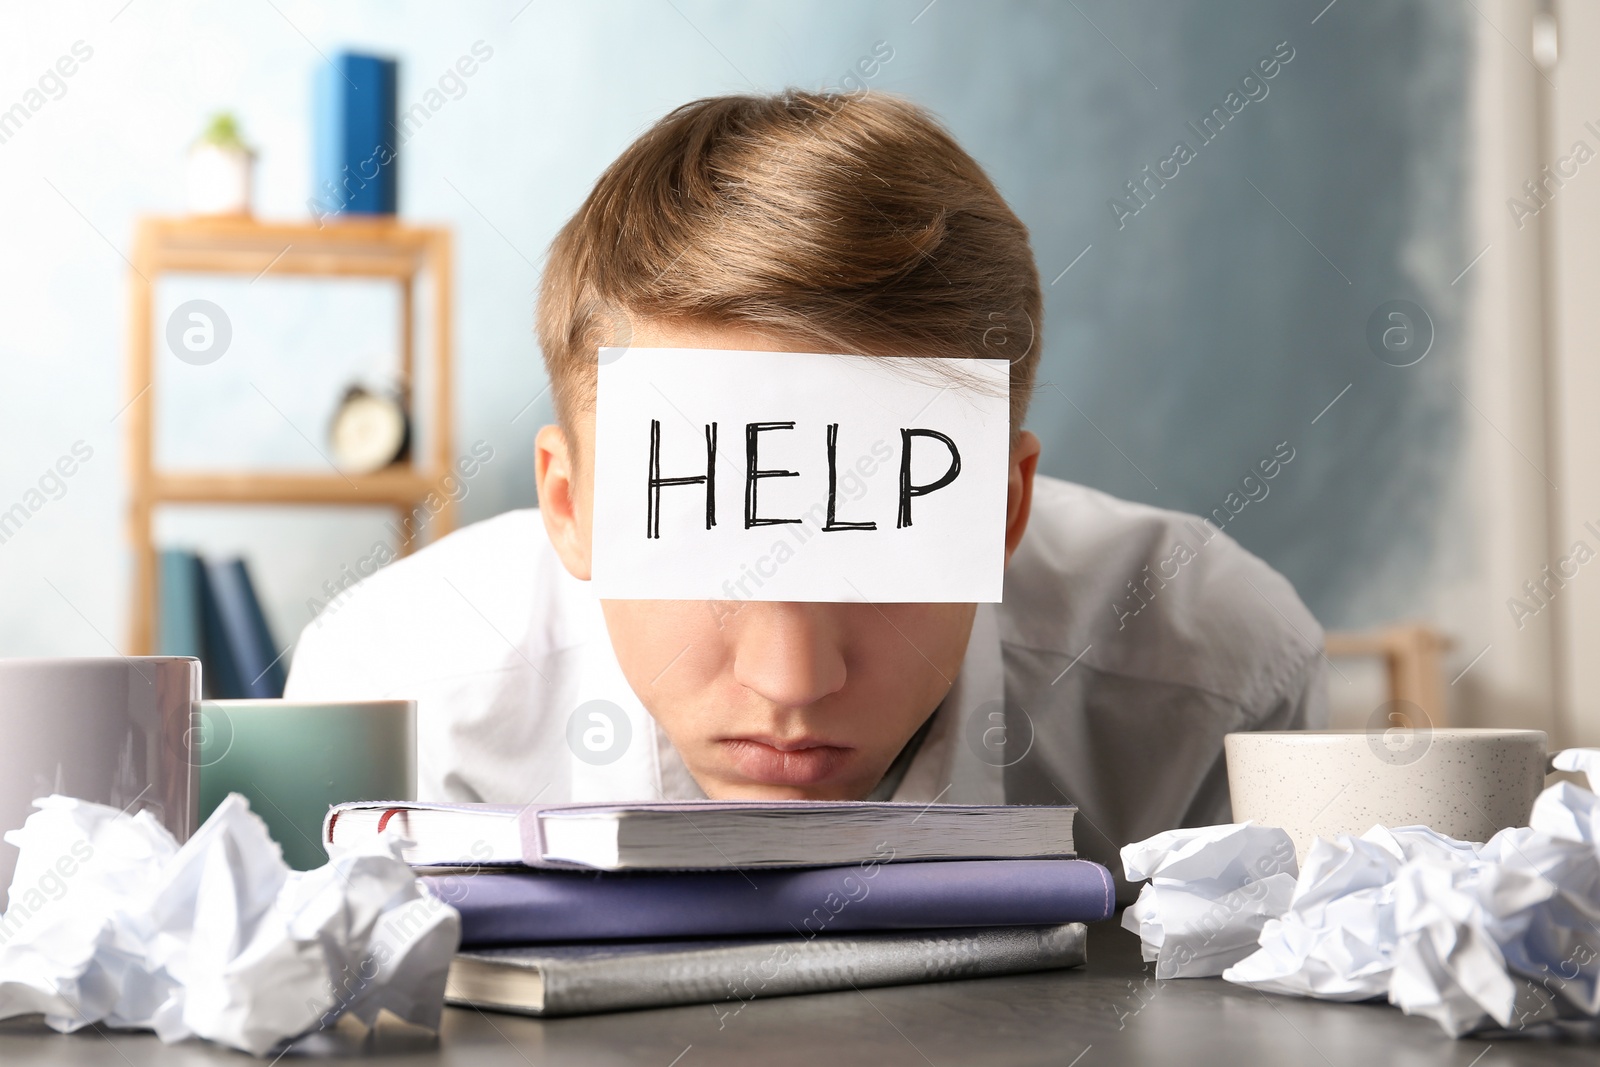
(294, 759)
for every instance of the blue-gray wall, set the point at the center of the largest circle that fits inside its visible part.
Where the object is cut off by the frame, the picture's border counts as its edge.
(1220, 320)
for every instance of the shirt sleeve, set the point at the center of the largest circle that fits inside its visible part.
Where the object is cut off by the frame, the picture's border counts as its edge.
(1304, 706)
(326, 666)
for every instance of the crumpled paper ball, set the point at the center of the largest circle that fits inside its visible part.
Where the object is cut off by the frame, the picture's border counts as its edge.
(1503, 935)
(110, 921)
(1336, 938)
(1211, 889)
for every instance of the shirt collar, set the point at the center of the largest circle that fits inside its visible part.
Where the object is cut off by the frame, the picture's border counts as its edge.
(634, 773)
(963, 758)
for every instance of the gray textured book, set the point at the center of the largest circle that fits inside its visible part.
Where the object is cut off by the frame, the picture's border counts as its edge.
(579, 979)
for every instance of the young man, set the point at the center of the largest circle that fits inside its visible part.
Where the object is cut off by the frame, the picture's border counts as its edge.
(1129, 640)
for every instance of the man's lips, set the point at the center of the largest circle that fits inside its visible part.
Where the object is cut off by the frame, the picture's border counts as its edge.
(774, 761)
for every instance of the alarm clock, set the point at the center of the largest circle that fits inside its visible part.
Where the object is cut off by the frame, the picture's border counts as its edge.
(370, 430)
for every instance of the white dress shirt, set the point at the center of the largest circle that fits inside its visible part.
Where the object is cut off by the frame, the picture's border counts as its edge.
(1129, 641)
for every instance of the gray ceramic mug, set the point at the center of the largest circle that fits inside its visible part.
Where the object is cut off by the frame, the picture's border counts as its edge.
(114, 730)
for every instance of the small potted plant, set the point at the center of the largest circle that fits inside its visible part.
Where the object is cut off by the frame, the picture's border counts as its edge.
(219, 169)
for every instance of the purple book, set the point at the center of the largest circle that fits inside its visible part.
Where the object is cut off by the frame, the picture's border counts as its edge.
(519, 907)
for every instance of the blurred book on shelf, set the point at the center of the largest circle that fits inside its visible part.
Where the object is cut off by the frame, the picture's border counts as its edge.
(355, 154)
(182, 594)
(209, 609)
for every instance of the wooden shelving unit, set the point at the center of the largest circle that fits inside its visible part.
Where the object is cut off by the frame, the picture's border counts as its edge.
(349, 248)
(1413, 663)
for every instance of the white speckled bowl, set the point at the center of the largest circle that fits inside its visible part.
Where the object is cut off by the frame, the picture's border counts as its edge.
(1467, 783)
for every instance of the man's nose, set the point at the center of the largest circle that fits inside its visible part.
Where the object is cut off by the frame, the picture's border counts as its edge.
(790, 654)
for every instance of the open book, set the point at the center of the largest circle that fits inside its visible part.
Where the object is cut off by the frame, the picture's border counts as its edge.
(706, 834)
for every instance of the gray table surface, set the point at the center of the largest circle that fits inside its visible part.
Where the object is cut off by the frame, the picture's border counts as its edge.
(1110, 1012)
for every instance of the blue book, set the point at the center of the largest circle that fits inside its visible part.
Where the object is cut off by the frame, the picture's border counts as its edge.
(247, 660)
(356, 147)
(531, 906)
(219, 675)
(179, 622)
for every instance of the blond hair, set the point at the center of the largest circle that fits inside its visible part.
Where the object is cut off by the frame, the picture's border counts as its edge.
(850, 222)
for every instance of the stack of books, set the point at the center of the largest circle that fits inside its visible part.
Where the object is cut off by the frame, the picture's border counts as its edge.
(577, 908)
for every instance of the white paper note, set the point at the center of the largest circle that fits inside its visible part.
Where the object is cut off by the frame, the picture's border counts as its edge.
(723, 475)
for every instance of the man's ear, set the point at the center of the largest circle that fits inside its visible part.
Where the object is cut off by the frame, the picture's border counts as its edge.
(564, 501)
(1019, 489)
